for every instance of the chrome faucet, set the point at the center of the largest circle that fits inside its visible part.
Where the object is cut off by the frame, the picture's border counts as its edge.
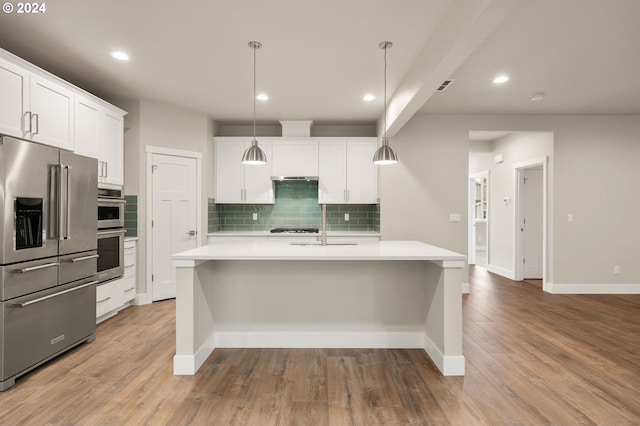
(323, 237)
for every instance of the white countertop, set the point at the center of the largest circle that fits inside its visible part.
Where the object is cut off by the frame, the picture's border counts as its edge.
(353, 234)
(282, 250)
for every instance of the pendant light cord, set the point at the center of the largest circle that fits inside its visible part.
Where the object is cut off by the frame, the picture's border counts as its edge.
(254, 92)
(384, 137)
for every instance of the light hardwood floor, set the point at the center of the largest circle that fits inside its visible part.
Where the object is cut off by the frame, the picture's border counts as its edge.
(532, 358)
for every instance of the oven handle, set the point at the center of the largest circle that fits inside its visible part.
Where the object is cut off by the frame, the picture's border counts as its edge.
(41, 299)
(79, 259)
(111, 200)
(35, 268)
(109, 232)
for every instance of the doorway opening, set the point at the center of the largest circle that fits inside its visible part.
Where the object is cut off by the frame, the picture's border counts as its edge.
(479, 219)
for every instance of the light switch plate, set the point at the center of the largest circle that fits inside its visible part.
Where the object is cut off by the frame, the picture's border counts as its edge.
(346, 217)
(455, 217)
(255, 216)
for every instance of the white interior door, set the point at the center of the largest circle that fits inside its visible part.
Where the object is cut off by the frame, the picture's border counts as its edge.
(174, 191)
(532, 229)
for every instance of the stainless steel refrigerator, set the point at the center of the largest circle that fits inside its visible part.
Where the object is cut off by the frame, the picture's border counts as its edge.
(48, 256)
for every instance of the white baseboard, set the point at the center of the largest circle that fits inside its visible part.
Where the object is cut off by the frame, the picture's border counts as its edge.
(448, 365)
(466, 288)
(187, 365)
(507, 273)
(142, 299)
(591, 288)
(274, 339)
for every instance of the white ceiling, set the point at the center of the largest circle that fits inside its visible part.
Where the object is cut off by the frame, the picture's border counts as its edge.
(319, 58)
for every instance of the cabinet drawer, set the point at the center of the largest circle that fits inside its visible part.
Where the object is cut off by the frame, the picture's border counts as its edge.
(128, 288)
(108, 297)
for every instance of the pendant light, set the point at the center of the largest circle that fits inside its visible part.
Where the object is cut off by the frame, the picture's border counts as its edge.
(254, 155)
(384, 154)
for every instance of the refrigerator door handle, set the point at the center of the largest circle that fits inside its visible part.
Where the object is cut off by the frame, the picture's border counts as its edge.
(65, 216)
(55, 184)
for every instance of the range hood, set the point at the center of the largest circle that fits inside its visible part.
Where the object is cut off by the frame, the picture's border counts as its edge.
(307, 178)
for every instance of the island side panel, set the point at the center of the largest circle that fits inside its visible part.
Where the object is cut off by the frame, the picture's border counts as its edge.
(443, 326)
(195, 337)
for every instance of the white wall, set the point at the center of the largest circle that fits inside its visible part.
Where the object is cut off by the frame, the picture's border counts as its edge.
(595, 168)
(160, 125)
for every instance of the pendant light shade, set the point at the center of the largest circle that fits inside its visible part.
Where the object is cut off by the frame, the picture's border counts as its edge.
(254, 155)
(385, 154)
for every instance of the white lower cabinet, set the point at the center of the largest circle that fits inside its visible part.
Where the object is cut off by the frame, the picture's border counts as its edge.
(115, 295)
(108, 299)
(129, 278)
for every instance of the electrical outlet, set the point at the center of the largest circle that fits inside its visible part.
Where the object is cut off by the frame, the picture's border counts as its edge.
(346, 217)
(616, 270)
(255, 216)
(569, 218)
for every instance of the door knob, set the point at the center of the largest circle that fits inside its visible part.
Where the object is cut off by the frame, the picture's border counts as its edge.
(191, 233)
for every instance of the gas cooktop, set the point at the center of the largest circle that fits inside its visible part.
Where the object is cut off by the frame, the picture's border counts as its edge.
(295, 230)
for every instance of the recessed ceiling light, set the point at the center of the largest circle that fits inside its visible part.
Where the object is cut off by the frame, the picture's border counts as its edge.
(262, 97)
(119, 55)
(501, 79)
(368, 98)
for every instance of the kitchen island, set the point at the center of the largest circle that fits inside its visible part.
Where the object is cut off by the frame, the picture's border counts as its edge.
(380, 294)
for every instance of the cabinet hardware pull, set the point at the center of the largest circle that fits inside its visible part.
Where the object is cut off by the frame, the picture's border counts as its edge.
(129, 289)
(41, 299)
(104, 300)
(35, 268)
(80, 259)
(37, 116)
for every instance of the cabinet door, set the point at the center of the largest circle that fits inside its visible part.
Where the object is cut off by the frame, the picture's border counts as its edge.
(257, 178)
(229, 170)
(111, 149)
(87, 127)
(52, 113)
(361, 172)
(332, 172)
(14, 90)
(295, 158)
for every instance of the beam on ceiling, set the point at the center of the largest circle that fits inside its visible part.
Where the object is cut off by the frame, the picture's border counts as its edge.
(463, 28)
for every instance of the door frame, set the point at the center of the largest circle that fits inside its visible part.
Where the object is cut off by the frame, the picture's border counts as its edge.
(471, 215)
(150, 150)
(518, 168)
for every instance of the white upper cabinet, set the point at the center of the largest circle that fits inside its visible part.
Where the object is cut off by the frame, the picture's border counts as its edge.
(35, 108)
(51, 113)
(87, 127)
(40, 107)
(99, 134)
(295, 158)
(237, 183)
(332, 173)
(14, 98)
(346, 172)
(111, 149)
(361, 172)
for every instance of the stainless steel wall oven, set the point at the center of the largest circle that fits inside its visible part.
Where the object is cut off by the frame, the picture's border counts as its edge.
(110, 208)
(111, 254)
